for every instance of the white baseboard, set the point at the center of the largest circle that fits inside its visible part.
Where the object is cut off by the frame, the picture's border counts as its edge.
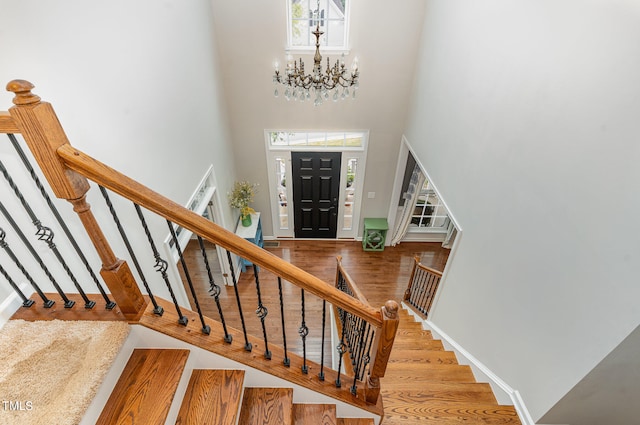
(503, 392)
(11, 304)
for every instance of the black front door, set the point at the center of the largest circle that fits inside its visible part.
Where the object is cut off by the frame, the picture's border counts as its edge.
(316, 187)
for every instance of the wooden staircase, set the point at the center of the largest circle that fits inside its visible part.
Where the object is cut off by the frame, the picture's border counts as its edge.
(425, 384)
(149, 381)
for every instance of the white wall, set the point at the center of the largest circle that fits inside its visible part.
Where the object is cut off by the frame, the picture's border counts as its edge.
(526, 117)
(134, 84)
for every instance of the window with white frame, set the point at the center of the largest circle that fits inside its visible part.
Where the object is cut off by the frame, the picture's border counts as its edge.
(429, 212)
(304, 16)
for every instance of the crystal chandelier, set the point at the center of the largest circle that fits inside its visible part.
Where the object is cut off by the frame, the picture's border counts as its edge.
(335, 82)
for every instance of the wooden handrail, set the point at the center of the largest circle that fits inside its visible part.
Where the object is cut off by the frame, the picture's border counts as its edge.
(350, 282)
(7, 124)
(119, 183)
(429, 269)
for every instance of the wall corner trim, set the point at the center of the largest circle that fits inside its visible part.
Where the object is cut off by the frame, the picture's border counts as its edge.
(496, 381)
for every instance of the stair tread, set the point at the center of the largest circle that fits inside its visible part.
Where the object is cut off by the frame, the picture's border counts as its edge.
(145, 388)
(267, 406)
(355, 421)
(314, 414)
(212, 397)
(428, 372)
(449, 414)
(439, 392)
(422, 356)
(425, 344)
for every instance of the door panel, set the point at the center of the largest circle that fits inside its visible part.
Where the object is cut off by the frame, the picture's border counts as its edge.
(316, 187)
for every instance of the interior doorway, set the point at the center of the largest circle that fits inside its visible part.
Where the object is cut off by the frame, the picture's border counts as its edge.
(316, 188)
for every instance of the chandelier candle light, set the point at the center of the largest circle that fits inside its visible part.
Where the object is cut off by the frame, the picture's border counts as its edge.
(323, 85)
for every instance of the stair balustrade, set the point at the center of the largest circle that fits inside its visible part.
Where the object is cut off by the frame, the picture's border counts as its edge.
(422, 287)
(366, 333)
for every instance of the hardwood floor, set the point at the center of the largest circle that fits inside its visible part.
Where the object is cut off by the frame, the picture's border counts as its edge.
(381, 276)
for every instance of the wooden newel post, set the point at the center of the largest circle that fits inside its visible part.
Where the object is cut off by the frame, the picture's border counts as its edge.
(383, 343)
(43, 133)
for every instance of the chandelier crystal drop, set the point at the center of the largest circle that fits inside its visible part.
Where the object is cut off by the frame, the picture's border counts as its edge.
(336, 82)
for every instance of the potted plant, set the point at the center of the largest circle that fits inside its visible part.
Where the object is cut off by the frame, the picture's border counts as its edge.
(240, 197)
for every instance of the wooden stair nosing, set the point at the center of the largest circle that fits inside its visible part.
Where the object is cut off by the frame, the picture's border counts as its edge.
(212, 397)
(146, 387)
(314, 414)
(168, 324)
(267, 406)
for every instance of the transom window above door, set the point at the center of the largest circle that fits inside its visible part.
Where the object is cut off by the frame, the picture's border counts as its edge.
(298, 139)
(304, 15)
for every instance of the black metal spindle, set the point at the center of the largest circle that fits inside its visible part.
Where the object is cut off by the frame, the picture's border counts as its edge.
(342, 348)
(303, 331)
(157, 309)
(67, 302)
(26, 302)
(215, 290)
(286, 361)
(427, 292)
(206, 329)
(46, 235)
(359, 358)
(324, 315)
(161, 266)
(421, 289)
(247, 344)
(14, 141)
(4, 245)
(262, 313)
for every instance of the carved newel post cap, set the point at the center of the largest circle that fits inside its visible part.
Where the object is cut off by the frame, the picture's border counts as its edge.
(22, 89)
(391, 307)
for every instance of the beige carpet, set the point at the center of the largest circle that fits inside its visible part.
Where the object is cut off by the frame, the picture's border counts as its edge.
(51, 370)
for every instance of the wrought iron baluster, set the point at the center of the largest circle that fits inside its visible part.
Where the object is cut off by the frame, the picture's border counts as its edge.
(26, 302)
(303, 331)
(247, 344)
(367, 357)
(358, 359)
(25, 161)
(67, 302)
(206, 329)
(161, 266)
(46, 235)
(324, 315)
(286, 361)
(342, 348)
(421, 289)
(215, 289)
(262, 313)
(4, 245)
(156, 308)
(427, 292)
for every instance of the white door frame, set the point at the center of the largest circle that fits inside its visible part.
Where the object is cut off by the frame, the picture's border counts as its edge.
(284, 152)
